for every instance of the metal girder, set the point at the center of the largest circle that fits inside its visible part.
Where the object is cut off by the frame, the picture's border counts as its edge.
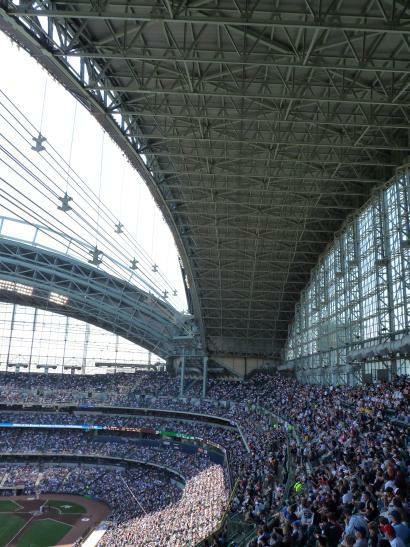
(88, 294)
(223, 190)
(265, 178)
(261, 126)
(261, 145)
(324, 159)
(163, 56)
(299, 18)
(228, 114)
(312, 97)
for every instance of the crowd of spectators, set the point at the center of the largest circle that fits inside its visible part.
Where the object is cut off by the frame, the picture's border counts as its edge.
(128, 492)
(138, 498)
(349, 448)
(352, 457)
(222, 435)
(181, 524)
(226, 438)
(24, 387)
(28, 441)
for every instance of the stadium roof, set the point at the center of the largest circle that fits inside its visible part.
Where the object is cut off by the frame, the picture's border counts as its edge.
(36, 276)
(263, 124)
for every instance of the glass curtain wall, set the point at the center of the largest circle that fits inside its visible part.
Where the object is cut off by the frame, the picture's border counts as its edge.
(34, 340)
(358, 296)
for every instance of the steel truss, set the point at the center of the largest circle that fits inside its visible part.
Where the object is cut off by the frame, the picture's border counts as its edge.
(63, 285)
(259, 127)
(359, 295)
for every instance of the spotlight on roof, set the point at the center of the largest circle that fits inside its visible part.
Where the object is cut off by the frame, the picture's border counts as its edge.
(38, 143)
(96, 257)
(119, 228)
(65, 203)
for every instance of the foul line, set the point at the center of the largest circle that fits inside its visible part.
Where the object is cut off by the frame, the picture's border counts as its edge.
(19, 531)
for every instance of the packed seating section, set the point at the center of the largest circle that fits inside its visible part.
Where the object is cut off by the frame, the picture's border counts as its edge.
(349, 449)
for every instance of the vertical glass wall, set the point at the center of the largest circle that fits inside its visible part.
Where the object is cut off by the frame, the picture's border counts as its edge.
(358, 300)
(40, 341)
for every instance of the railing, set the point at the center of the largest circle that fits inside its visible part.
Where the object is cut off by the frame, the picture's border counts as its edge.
(235, 523)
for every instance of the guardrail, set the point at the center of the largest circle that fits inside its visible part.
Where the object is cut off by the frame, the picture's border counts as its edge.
(289, 428)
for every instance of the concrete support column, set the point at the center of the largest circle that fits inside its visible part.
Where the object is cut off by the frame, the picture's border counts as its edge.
(182, 373)
(13, 317)
(33, 331)
(205, 376)
(169, 366)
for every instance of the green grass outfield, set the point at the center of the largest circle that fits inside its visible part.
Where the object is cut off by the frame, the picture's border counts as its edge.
(66, 507)
(42, 533)
(8, 506)
(9, 526)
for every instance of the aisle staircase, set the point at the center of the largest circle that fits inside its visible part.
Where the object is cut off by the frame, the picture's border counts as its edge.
(39, 479)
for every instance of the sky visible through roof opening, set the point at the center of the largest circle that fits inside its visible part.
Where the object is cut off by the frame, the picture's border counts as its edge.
(79, 139)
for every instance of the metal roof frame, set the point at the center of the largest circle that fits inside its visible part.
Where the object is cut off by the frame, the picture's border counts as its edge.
(259, 126)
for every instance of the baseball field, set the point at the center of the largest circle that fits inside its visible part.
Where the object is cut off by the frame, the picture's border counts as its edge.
(50, 520)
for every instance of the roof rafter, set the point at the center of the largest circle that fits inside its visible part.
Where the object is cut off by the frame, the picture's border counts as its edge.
(262, 128)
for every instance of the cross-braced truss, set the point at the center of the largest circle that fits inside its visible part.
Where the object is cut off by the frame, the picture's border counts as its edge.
(58, 283)
(261, 123)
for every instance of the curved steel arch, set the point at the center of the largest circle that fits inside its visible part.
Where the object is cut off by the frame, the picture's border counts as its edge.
(93, 296)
